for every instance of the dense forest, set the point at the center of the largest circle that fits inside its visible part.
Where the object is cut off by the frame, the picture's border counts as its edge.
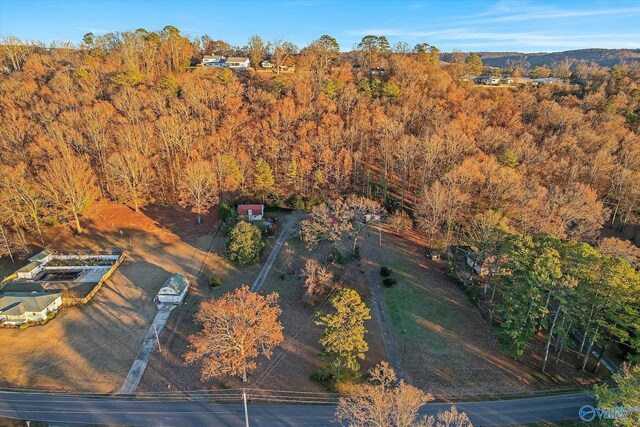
(126, 117)
(130, 117)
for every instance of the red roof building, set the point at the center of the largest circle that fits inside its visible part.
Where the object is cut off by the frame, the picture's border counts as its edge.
(251, 212)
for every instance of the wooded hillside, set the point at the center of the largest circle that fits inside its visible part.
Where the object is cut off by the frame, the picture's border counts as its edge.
(124, 117)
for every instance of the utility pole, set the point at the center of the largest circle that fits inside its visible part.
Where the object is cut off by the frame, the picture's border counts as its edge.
(157, 339)
(246, 413)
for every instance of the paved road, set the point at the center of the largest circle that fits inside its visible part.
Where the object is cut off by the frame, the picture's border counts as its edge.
(146, 350)
(284, 235)
(64, 410)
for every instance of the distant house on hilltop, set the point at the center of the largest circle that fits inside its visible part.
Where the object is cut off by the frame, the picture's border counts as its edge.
(267, 64)
(488, 80)
(251, 212)
(468, 78)
(548, 80)
(238, 62)
(214, 61)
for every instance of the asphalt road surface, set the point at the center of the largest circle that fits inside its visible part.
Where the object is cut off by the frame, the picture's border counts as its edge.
(68, 410)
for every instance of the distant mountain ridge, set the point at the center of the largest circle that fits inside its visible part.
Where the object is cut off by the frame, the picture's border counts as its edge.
(602, 57)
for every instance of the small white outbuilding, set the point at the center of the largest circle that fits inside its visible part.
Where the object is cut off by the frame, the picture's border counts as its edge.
(174, 289)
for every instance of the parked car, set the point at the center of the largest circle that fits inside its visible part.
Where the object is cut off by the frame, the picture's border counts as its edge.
(433, 254)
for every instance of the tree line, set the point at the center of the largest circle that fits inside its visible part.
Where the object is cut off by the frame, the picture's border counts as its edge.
(140, 127)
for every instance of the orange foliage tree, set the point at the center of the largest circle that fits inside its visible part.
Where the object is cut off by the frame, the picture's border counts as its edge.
(237, 328)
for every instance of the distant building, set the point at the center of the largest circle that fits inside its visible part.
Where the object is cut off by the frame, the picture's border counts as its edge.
(42, 257)
(16, 309)
(524, 81)
(488, 80)
(251, 212)
(376, 71)
(267, 64)
(174, 289)
(506, 80)
(238, 62)
(479, 265)
(214, 61)
(371, 218)
(548, 80)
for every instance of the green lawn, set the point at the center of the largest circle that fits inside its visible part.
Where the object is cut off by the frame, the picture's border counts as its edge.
(423, 315)
(442, 342)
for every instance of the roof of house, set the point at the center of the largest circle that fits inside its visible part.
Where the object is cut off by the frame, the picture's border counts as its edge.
(255, 209)
(29, 267)
(15, 304)
(175, 285)
(237, 59)
(40, 256)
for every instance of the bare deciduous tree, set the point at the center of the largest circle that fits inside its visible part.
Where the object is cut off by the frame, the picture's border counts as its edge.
(384, 401)
(198, 188)
(131, 173)
(70, 185)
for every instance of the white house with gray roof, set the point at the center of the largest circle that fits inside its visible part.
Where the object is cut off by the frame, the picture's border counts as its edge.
(18, 308)
(238, 62)
(174, 289)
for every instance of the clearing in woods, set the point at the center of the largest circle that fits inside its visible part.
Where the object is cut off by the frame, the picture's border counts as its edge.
(444, 344)
(91, 347)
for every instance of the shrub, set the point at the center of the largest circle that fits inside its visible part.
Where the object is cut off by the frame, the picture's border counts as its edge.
(338, 257)
(24, 326)
(297, 202)
(227, 213)
(215, 281)
(385, 271)
(389, 282)
(400, 221)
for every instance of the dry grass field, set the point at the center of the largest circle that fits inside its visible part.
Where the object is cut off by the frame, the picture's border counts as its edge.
(293, 362)
(91, 347)
(447, 347)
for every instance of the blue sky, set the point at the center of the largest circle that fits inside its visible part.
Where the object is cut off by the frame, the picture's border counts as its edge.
(527, 26)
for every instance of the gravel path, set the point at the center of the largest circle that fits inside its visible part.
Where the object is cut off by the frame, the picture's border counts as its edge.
(284, 235)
